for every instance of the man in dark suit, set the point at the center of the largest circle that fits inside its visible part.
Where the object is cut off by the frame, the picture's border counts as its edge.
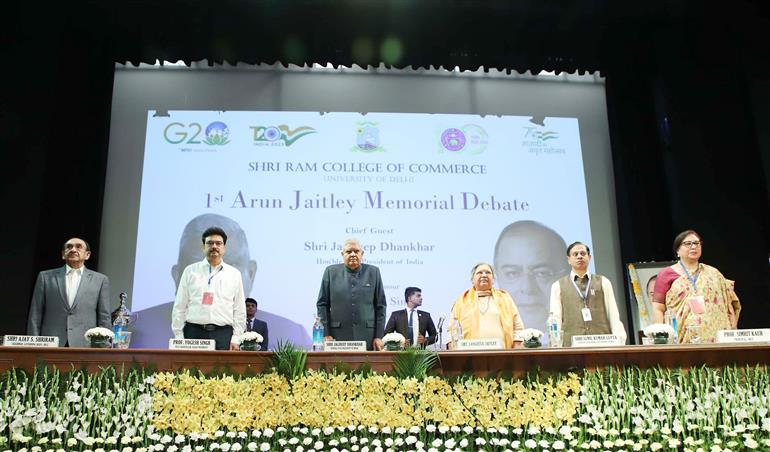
(254, 324)
(351, 302)
(411, 322)
(70, 300)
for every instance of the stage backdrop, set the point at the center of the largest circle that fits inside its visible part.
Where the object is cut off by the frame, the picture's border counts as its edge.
(427, 194)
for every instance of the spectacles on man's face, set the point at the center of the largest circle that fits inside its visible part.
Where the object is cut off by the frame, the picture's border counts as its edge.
(691, 244)
(211, 243)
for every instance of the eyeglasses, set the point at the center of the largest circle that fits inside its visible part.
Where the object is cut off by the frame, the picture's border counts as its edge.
(689, 244)
(214, 243)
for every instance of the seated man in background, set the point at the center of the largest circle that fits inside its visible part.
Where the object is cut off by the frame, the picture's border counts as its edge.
(254, 324)
(415, 325)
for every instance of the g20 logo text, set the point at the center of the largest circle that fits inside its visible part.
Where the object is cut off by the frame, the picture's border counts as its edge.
(215, 134)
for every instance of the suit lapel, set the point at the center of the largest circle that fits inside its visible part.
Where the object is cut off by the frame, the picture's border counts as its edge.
(61, 276)
(405, 322)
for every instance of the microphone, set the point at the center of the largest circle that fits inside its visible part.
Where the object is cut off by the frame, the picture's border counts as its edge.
(441, 321)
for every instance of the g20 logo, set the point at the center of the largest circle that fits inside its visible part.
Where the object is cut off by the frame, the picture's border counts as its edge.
(216, 134)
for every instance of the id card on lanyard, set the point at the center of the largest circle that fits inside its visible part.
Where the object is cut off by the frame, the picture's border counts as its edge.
(584, 296)
(697, 302)
(208, 294)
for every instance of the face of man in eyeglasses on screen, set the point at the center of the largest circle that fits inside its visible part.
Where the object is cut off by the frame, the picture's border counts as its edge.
(529, 257)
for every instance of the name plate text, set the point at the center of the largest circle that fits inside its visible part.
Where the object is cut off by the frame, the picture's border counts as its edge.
(12, 340)
(345, 346)
(480, 344)
(191, 344)
(596, 340)
(761, 335)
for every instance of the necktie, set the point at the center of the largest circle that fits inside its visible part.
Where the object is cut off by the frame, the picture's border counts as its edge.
(250, 325)
(411, 326)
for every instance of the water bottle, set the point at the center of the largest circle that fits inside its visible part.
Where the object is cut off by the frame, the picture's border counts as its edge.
(554, 337)
(120, 319)
(318, 335)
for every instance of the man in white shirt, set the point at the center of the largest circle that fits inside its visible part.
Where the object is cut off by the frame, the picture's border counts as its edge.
(584, 303)
(69, 300)
(210, 303)
(414, 324)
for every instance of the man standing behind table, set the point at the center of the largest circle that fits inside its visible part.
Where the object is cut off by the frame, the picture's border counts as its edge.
(351, 301)
(583, 303)
(70, 300)
(411, 322)
(210, 302)
(254, 324)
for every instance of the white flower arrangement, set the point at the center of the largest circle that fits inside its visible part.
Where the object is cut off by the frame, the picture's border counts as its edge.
(658, 328)
(394, 337)
(98, 332)
(530, 333)
(251, 336)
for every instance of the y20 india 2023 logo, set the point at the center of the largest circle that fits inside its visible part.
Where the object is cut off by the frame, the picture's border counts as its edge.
(279, 136)
(469, 138)
(216, 134)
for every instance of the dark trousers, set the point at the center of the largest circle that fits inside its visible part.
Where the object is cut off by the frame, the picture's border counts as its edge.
(220, 334)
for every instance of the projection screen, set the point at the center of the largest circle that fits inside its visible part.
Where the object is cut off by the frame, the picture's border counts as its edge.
(433, 171)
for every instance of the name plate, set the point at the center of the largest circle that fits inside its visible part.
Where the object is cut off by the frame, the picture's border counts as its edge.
(596, 340)
(191, 344)
(345, 346)
(761, 335)
(10, 340)
(480, 344)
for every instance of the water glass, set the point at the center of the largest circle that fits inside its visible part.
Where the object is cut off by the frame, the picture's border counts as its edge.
(123, 340)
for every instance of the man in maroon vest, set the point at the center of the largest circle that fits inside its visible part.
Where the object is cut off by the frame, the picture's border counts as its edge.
(583, 303)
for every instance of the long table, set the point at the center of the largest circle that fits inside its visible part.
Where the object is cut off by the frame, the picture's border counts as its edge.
(481, 363)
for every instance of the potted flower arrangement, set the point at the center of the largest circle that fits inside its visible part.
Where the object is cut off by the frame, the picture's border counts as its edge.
(394, 341)
(531, 337)
(251, 341)
(99, 337)
(659, 332)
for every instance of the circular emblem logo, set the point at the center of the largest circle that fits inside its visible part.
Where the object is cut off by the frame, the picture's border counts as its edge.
(453, 139)
(217, 129)
(272, 133)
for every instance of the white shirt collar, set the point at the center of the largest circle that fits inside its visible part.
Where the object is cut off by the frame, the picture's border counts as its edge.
(69, 270)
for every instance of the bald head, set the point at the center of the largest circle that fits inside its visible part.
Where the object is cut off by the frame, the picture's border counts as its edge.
(237, 247)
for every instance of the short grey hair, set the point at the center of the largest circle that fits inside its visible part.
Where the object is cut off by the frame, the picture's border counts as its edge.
(352, 241)
(473, 270)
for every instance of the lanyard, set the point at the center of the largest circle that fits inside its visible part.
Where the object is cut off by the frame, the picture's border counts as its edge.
(583, 296)
(211, 276)
(692, 278)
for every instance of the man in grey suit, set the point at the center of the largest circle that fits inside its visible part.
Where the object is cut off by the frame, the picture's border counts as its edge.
(71, 299)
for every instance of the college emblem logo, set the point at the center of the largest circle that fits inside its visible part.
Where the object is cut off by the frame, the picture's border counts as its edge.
(368, 138)
(469, 138)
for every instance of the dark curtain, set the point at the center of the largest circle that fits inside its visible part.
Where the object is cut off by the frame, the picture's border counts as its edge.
(678, 78)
